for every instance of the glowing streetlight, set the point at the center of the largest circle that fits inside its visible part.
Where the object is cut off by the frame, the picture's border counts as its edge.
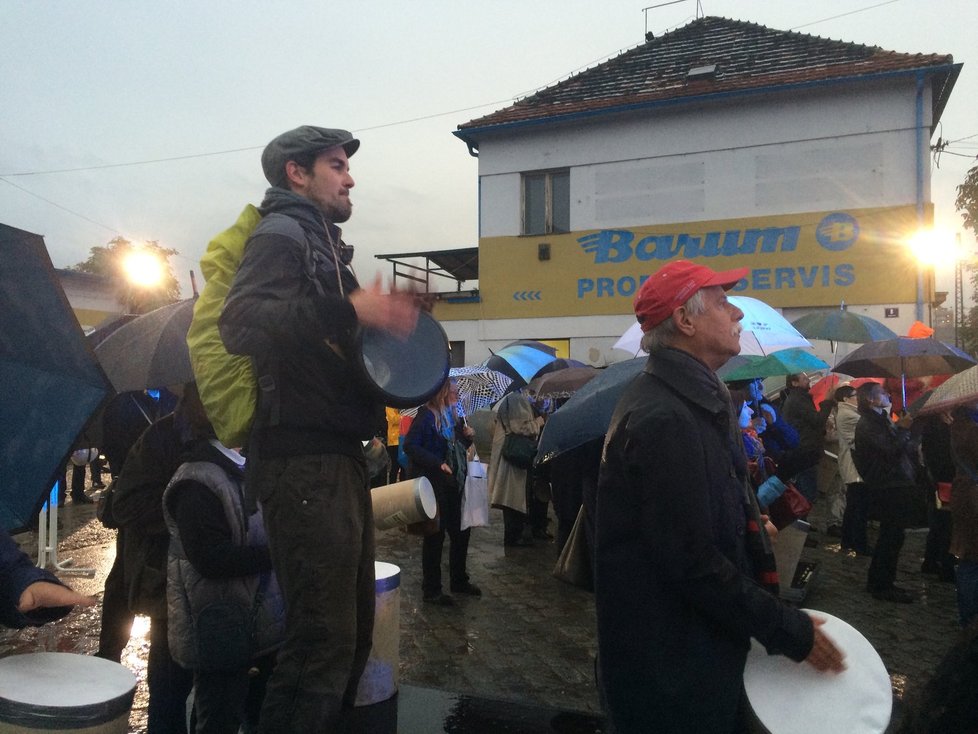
(143, 268)
(935, 247)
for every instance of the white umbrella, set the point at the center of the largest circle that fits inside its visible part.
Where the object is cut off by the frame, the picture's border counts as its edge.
(765, 331)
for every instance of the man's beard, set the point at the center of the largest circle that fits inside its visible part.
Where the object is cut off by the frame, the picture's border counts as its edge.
(338, 215)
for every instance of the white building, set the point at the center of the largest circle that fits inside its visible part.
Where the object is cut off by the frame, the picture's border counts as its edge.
(805, 159)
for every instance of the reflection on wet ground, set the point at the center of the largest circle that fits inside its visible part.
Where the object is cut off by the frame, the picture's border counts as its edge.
(520, 659)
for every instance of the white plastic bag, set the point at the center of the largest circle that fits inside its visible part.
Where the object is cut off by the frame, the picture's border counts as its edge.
(475, 499)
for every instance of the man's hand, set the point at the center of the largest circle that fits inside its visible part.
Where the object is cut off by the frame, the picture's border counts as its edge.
(395, 312)
(825, 656)
(42, 594)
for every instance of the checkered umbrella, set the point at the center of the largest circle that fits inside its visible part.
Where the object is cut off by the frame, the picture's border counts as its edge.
(478, 387)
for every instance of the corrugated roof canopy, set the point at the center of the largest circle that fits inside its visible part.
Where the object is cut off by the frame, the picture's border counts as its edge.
(460, 264)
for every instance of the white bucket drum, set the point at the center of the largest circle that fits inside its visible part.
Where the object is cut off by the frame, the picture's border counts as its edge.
(379, 680)
(403, 503)
(794, 698)
(61, 692)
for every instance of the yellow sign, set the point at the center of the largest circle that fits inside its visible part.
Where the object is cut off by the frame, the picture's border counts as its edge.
(811, 259)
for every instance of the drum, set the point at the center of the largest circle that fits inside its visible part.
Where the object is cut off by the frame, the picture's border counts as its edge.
(405, 372)
(56, 691)
(379, 680)
(403, 503)
(794, 698)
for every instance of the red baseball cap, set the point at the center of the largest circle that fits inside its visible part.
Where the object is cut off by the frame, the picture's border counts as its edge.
(669, 288)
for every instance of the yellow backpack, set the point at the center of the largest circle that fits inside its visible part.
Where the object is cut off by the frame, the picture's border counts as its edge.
(226, 382)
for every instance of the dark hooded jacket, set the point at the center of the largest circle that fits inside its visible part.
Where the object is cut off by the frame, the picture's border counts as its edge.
(288, 308)
(675, 593)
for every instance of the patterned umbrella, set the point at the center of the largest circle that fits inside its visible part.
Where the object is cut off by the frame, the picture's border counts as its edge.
(960, 389)
(478, 387)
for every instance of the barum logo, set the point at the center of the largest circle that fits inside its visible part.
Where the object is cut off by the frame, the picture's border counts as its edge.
(620, 245)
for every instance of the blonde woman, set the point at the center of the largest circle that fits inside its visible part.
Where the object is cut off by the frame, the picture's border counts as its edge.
(435, 446)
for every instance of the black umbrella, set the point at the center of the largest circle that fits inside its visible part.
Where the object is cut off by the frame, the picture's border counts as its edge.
(904, 357)
(50, 383)
(587, 414)
(150, 351)
(521, 360)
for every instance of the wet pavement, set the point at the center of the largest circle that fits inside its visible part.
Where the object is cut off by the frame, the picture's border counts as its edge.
(520, 658)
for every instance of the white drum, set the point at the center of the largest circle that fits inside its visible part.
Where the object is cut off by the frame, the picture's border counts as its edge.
(794, 698)
(62, 692)
(403, 503)
(379, 680)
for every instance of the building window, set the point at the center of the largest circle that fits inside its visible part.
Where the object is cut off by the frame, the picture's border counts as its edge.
(546, 202)
(457, 353)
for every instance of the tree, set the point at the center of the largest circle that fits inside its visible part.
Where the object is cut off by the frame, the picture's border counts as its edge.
(110, 261)
(967, 204)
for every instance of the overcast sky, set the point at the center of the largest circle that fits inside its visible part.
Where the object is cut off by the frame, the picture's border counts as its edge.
(165, 106)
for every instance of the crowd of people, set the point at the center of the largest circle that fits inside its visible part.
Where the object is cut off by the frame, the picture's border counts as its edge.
(266, 612)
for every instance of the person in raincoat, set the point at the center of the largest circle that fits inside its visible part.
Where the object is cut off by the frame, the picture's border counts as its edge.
(508, 483)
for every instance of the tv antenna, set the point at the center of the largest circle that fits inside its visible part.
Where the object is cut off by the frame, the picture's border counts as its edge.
(699, 12)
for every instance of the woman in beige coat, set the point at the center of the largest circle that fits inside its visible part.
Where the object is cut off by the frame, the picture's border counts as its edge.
(508, 484)
(855, 517)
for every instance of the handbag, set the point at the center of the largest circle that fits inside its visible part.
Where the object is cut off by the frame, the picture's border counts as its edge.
(519, 450)
(790, 506)
(475, 498)
(226, 633)
(574, 563)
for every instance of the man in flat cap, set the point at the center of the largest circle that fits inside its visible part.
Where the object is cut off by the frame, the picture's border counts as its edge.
(684, 574)
(294, 306)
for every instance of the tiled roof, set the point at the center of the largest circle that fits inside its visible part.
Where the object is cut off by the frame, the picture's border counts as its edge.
(747, 56)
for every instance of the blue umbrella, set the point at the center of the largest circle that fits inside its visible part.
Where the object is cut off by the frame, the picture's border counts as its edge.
(521, 360)
(587, 414)
(50, 383)
(784, 362)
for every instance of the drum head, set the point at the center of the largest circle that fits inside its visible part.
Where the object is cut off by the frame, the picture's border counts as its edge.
(406, 372)
(794, 698)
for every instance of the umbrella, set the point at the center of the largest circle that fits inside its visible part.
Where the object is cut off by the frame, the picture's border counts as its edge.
(561, 383)
(50, 383)
(478, 387)
(904, 357)
(521, 360)
(842, 326)
(764, 331)
(587, 414)
(150, 351)
(783, 362)
(960, 389)
(558, 364)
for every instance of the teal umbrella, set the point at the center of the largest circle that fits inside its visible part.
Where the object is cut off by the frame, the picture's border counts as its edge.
(785, 362)
(842, 326)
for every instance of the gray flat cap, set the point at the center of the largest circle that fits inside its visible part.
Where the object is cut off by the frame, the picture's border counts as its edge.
(305, 139)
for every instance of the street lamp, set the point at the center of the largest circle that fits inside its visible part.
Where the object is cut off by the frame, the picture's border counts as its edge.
(143, 270)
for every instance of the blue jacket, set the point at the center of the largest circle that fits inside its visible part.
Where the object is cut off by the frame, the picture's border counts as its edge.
(17, 572)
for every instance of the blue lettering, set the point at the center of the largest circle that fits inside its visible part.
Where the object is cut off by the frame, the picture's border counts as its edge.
(711, 245)
(659, 247)
(608, 245)
(807, 275)
(731, 243)
(844, 274)
(626, 286)
(761, 279)
(584, 286)
(784, 277)
(606, 287)
(770, 239)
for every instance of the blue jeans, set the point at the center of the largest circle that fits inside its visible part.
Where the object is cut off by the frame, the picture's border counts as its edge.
(967, 578)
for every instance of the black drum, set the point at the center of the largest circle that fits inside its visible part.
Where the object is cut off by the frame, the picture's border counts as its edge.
(405, 373)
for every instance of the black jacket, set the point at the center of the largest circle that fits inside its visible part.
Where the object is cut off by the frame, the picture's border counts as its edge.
(883, 455)
(675, 598)
(276, 313)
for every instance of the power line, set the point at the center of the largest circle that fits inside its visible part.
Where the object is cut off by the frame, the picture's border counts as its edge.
(843, 15)
(58, 206)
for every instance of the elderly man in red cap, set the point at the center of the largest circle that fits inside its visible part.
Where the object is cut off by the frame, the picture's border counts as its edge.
(684, 571)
